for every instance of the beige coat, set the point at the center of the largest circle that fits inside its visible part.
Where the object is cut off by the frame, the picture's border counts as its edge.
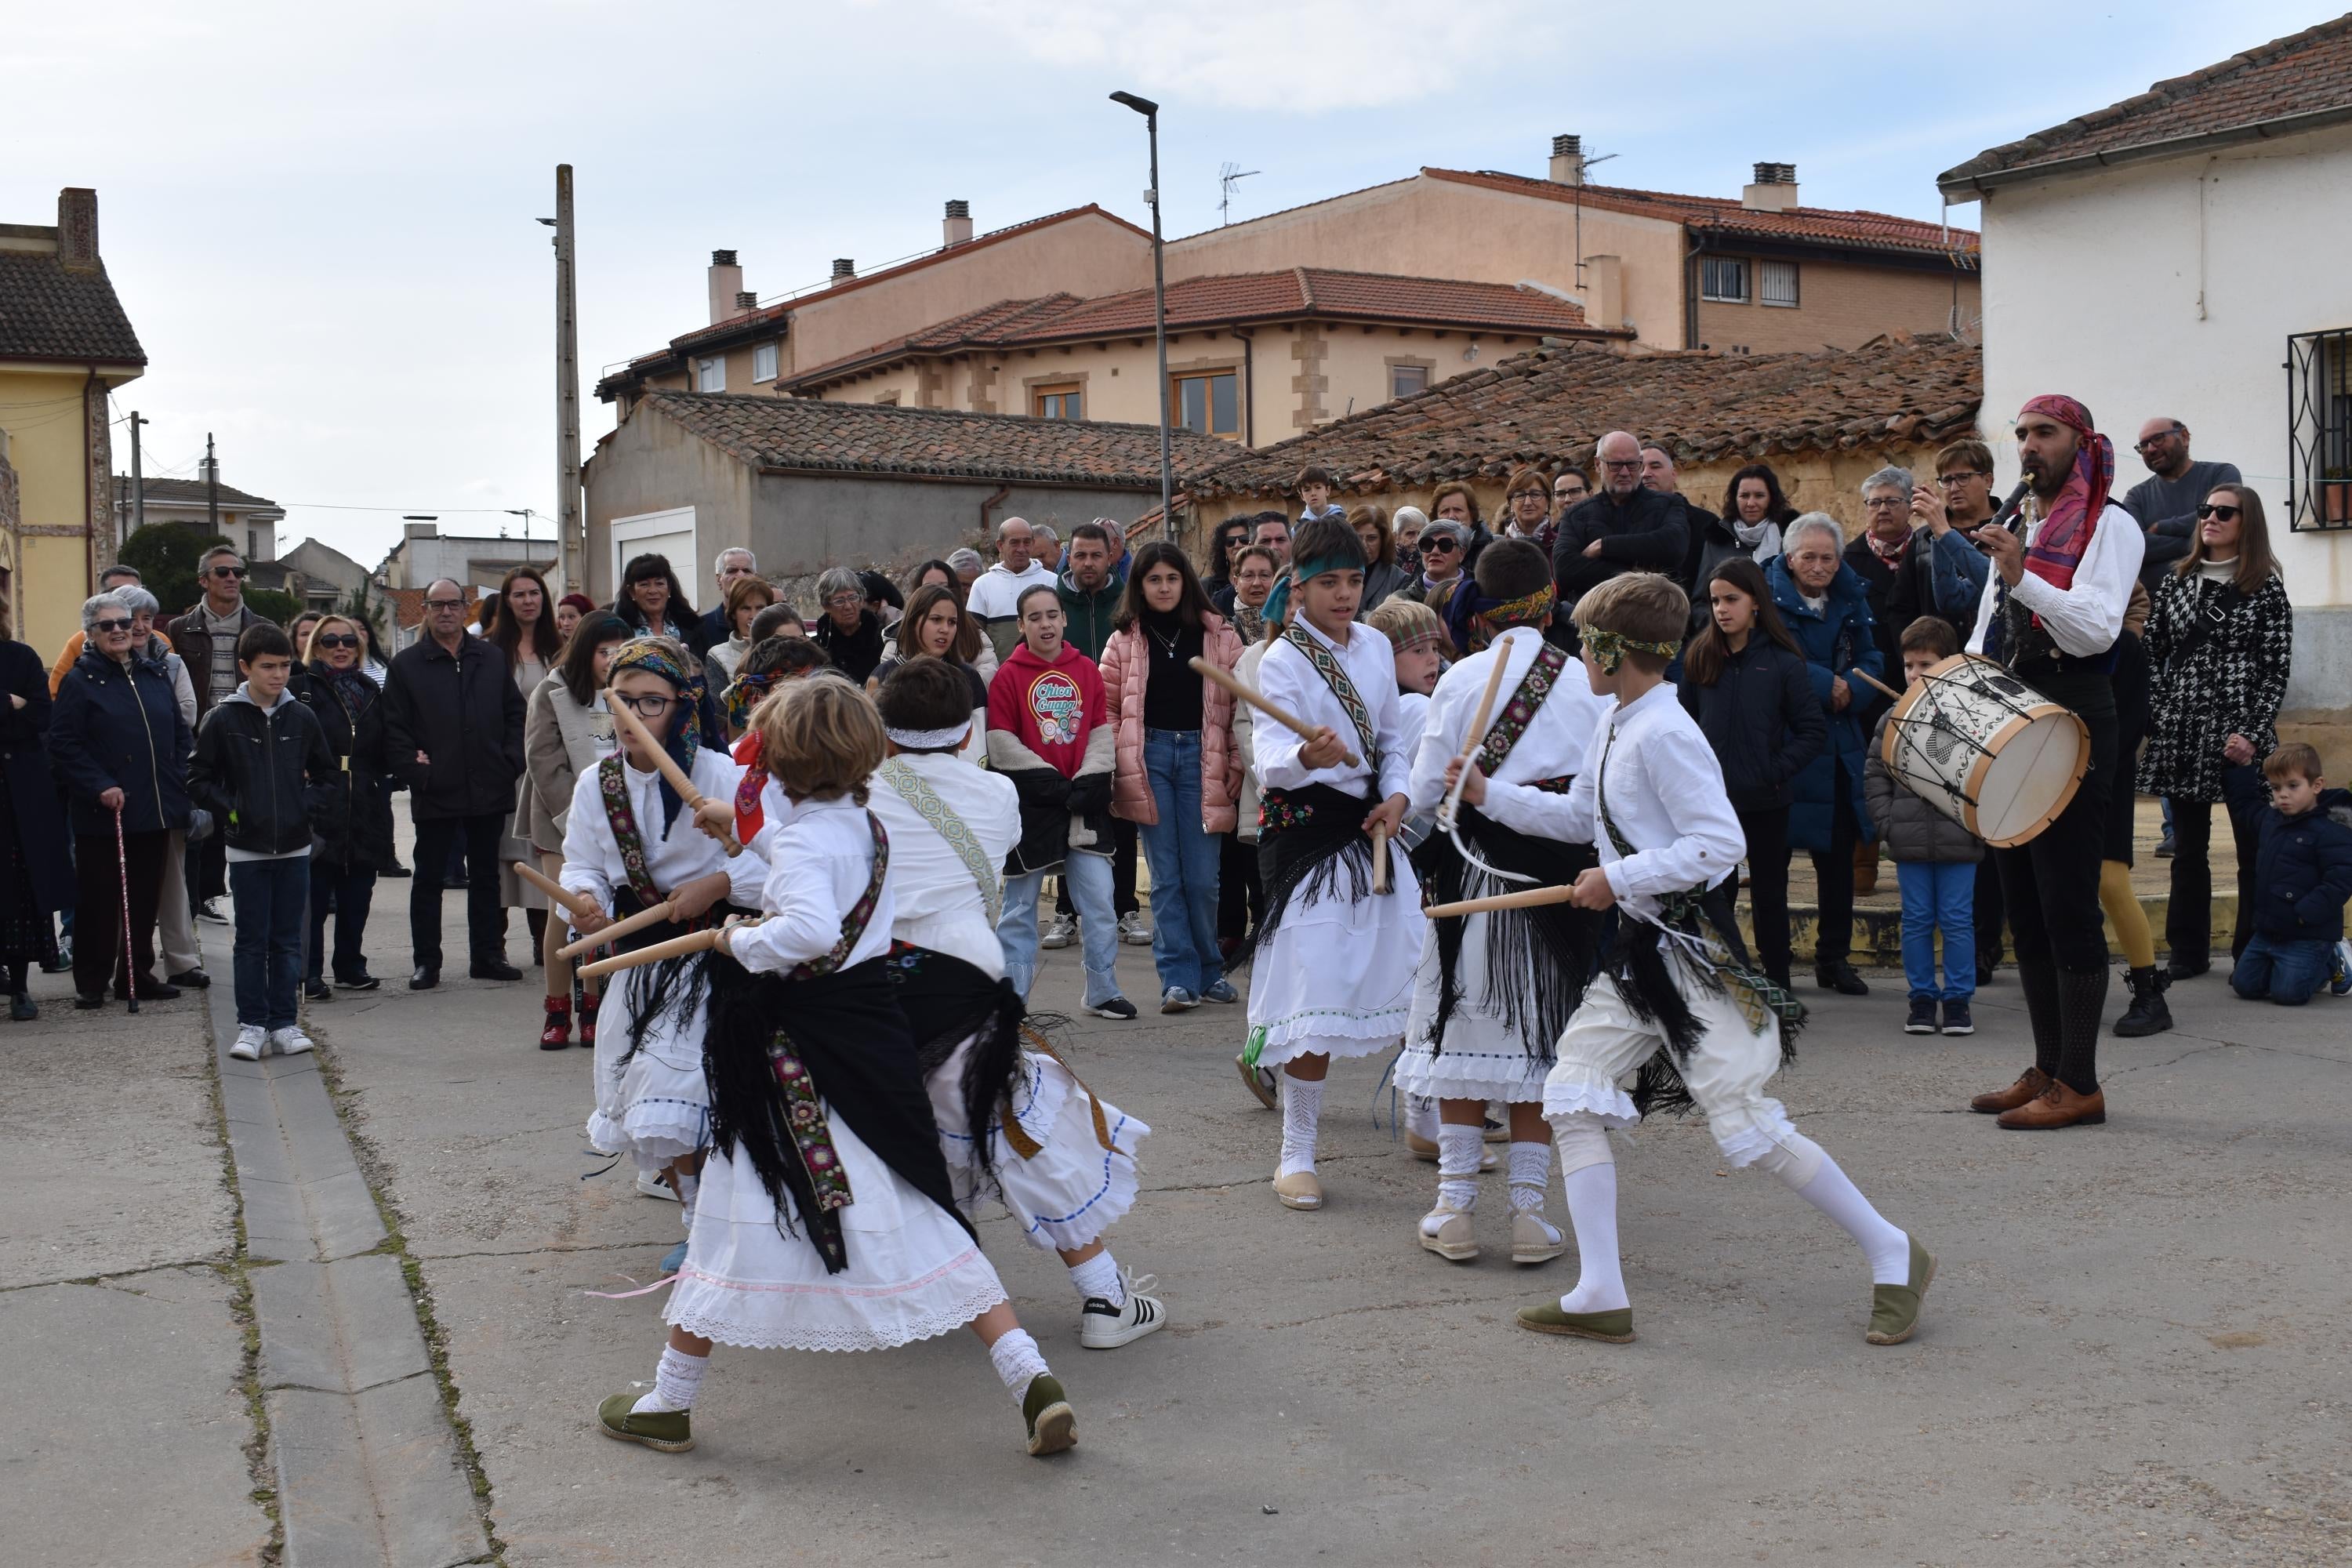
(559, 742)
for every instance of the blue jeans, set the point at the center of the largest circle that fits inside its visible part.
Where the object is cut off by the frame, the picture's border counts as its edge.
(1184, 857)
(2277, 970)
(1089, 878)
(1938, 895)
(273, 902)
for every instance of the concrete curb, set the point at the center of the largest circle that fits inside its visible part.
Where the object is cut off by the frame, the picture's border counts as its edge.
(368, 1469)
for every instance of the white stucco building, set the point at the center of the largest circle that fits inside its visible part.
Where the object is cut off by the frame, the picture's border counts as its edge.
(2188, 253)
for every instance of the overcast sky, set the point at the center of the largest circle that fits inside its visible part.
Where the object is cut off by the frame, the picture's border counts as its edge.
(321, 218)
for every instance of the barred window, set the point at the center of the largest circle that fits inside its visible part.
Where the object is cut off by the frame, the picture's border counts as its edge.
(1776, 284)
(1723, 278)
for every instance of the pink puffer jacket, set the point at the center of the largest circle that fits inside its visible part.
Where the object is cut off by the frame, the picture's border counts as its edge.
(1125, 668)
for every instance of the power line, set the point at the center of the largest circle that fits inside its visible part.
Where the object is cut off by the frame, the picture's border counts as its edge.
(334, 506)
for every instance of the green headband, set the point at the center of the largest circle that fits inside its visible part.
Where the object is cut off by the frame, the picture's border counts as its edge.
(1609, 649)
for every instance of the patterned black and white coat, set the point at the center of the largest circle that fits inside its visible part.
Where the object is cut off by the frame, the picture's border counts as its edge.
(2218, 663)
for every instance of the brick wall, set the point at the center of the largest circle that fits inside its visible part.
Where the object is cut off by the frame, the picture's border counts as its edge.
(1842, 306)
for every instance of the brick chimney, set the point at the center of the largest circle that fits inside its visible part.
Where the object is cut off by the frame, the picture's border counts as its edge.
(1568, 159)
(725, 285)
(845, 271)
(78, 229)
(1774, 190)
(957, 227)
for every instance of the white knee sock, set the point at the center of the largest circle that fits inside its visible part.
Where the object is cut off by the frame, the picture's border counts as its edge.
(1097, 1278)
(1831, 1191)
(1530, 1176)
(676, 1382)
(1459, 1151)
(1018, 1362)
(1421, 1116)
(1302, 1109)
(1589, 1174)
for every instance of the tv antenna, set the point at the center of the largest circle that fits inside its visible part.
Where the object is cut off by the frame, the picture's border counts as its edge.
(1585, 165)
(1229, 176)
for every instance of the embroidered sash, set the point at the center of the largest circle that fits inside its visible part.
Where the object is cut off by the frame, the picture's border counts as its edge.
(1341, 687)
(1520, 711)
(916, 791)
(614, 788)
(860, 915)
(812, 1141)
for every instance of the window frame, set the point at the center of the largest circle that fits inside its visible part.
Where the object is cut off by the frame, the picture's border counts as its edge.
(1076, 391)
(1707, 287)
(705, 365)
(772, 354)
(1176, 380)
(2319, 431)
(1795, 302)
(1425, 369)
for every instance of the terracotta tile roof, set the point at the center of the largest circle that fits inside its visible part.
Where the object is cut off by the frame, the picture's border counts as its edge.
(870, 439)
(1851, 227)
(1297, 293)
(2307, 76)
(185, 493)
(1554, 404)
(51, 311)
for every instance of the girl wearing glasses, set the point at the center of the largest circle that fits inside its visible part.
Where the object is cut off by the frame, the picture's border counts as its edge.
(333, 683)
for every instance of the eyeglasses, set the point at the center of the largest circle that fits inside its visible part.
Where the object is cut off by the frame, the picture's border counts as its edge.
(1874, 502)
(645, 705)
(842, 601)
(2224, 513)
(1621, 462)
(228, 571)
(337, 639)
(111, 625)
(1960, 476)
(444, 603)
(1567, 493)
(2158, 439)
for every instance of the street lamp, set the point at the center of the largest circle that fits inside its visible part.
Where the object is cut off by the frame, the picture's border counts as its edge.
(1150, 112)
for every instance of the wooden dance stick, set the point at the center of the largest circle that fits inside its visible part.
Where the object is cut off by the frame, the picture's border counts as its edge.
(696, 801)
(692, 942)
(578, 903)
(1264, 704)
(1878, 683)
(621, 928)
(1379, 860)
(1520, 900)
(1472, 739)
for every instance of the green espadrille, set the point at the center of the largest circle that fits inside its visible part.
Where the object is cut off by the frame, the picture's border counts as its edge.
(1894, 1309)
(1613, 1328)
(670, 1431)
(1052, 1425)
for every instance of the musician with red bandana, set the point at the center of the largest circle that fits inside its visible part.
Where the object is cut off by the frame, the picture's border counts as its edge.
(2052, 611)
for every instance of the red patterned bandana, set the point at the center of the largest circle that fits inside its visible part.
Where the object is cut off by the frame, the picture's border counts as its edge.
(2074, 515)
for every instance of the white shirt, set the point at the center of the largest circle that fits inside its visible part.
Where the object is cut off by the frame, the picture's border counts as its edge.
(937, 900)
(1666, 796)
(823, 857)
(1291, 680)
(1557, 738)
(996, 593)
(2085, 620)
(591, 859)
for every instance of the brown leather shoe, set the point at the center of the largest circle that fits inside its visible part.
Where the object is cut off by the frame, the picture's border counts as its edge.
(2028, 1088)
(2057, 1106)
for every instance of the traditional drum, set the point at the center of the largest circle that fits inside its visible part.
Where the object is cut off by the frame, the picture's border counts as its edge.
(1987, 750)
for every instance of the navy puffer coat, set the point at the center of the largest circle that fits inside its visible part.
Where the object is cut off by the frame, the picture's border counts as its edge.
(119, 726)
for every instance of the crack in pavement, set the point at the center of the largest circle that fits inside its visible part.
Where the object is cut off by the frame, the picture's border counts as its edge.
(218, 1262)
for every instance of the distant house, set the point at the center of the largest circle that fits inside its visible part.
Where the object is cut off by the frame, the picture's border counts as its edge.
(475, 560)
(330, 577)
(807, 485)
(248, 521)
(1824, 421)
(2183, 255)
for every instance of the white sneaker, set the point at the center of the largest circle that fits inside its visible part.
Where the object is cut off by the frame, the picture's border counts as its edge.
(1059, 931)
(289, 1041)
(1103, 1327)
(1132, 931)
(650, 1186)
(250, 1038)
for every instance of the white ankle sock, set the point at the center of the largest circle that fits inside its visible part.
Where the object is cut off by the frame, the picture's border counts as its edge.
(1302, 1109)
(1530, 1176)
(1834, 1194)
(1018, 1362)
(1098, 1276)
(1593, 1210)
(1459, 1151)
(677, 1380)
(1421, 1116)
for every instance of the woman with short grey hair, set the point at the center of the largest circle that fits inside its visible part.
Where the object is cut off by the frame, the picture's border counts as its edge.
(176, 919)
(1894, 566)
(850, 633)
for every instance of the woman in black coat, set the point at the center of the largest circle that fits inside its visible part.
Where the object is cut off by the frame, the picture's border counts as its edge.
(1745, 682)
(35, 874)
(334, 686)
(120, 749)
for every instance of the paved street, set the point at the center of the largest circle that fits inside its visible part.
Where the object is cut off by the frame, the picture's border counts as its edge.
(2133, 1354)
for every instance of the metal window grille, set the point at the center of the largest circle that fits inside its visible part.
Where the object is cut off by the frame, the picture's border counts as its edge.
(1723, 279)
(1777, 283)
(2319, 430)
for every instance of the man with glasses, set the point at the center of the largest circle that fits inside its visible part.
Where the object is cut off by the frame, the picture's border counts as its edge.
(452, 733)
(1628, 527)
(207, 638)
(2165, 502)
(1568, 492)
(1948, 571)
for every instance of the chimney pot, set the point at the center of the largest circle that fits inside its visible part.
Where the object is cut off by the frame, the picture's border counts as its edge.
(1568, 159)
(722, 258)
(726, 286)
(956, 227)
(844, 269)
(1774, 189)
(78, 229)
(745, 301)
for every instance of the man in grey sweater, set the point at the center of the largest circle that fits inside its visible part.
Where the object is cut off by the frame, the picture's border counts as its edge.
(2164, 504)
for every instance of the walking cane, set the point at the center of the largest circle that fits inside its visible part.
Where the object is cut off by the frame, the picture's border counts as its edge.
(122, 881)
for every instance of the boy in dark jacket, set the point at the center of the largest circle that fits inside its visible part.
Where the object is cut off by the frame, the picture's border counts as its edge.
(2302, 875)
(1934, 861)
(1047, 734)
(264, 770)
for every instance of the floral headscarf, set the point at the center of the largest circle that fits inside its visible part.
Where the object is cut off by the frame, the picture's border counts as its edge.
(661, 656)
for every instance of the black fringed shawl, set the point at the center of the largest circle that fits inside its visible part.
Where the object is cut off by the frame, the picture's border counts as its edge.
(1539, 959)
(1310, 838)
(669, 985)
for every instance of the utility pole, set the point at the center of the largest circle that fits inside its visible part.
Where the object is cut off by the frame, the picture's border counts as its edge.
(212, 486)
(1150, 112)
(138, 485)
(570, 531)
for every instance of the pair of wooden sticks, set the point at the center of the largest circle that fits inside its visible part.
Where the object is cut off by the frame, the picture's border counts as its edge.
(579, 904)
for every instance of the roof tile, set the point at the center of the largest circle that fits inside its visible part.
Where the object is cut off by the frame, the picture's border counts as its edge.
(1854, 227)
(51, 311)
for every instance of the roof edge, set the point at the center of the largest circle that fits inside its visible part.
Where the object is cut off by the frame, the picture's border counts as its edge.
(1964, 186)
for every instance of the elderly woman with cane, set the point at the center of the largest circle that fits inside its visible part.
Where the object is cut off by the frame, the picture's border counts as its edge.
(121, 749)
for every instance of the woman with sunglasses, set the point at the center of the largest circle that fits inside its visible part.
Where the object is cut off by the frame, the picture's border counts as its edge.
(2220, 643)
(1444, 547)
(333, 684)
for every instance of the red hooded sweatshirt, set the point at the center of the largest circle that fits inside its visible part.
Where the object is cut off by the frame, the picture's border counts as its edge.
(1051, 709)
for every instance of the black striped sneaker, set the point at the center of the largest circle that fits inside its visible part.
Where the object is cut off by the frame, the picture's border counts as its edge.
(1103, 1327)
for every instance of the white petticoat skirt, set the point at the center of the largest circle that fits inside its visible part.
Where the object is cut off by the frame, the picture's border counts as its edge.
(1072, 1189)
(657, 1106)
(1336, 977)
(1483, 1058)
(914, 1273)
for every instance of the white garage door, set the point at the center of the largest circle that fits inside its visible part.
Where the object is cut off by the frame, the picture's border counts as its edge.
(670, 534)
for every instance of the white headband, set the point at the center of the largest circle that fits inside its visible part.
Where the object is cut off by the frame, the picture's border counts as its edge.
(928, 740)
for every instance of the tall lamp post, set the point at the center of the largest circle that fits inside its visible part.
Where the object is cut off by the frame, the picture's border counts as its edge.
(1150, 112)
